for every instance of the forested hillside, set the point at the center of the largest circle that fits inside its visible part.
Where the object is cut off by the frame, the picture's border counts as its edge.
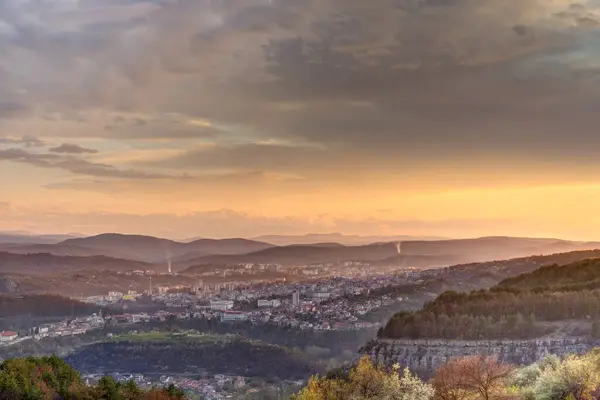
(52, 378)
(527, 306)
(152, 353)
(582, 275)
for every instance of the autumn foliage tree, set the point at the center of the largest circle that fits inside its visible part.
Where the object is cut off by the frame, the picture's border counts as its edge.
(367, 381)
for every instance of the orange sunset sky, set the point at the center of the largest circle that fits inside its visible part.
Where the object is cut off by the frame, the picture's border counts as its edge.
(222, 118)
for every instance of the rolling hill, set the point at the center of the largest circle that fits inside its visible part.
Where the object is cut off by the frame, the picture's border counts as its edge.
(139, 248)
(303, 254)
(49, 264)
(418, 254)
(18, 237)
(347, 240)
(296, 255)
(494, 248)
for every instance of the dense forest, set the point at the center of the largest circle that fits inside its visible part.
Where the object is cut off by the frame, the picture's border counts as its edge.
(517, 308)
(53, 379)
(579, 275)
(203, 354)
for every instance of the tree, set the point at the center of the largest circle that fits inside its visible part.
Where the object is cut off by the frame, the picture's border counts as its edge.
(131, 391)
(109, 389)
(596, 328)
(367, 381)
(470, 378)
(405, 387)
(174, 392)
(448, 383)
(575, 376)
(52, 378)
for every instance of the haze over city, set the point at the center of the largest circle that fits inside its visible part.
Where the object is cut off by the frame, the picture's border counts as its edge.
(216, 118)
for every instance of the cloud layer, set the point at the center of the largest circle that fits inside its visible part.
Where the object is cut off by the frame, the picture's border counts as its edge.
(297, 96)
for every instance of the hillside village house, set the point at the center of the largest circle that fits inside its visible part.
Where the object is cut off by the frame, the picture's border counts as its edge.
(8, 336)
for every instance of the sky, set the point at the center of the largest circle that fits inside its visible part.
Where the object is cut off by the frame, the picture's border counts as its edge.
(236, 118)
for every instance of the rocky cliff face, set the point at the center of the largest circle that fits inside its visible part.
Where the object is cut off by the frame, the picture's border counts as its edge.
(426, 356)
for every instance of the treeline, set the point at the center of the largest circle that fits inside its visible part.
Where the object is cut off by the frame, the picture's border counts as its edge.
(235, 356)
(471, 378)
(52, 378)
(492, 314)
(547, 306)
(584, 274)
(461, 327)
(43, 306)
(514, 309)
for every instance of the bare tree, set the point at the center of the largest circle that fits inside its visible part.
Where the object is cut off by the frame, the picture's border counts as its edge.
(476, 377)
(448, 383)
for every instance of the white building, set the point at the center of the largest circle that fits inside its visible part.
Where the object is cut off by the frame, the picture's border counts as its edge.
(233, 316)
(8, 336)
(114, 296)
(221, 305)
(269, 303)
(296, 298)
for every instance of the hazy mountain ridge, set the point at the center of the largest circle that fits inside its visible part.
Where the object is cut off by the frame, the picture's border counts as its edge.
(304, 254)
(21, 237)
(347, 240)
(495, 247)
(421, 254)
(41, 263)
(139, 247)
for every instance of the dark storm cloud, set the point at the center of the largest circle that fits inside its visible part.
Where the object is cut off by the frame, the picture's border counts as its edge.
(337, 79)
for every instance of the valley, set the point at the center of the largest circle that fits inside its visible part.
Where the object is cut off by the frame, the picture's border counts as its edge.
(267, 319)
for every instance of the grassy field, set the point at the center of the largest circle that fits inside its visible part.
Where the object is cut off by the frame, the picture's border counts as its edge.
(156, 336)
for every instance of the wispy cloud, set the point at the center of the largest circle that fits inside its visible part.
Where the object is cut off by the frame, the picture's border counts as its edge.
(69, 148)
(27, 140)
(385, 94)
(75, 165)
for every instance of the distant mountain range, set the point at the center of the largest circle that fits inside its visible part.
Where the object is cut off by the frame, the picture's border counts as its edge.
(303, 254)
(42, 264)
(49, 273)
(348, 240)
(494, 247)
(139, 248)
(202, 252)
(21, 237)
